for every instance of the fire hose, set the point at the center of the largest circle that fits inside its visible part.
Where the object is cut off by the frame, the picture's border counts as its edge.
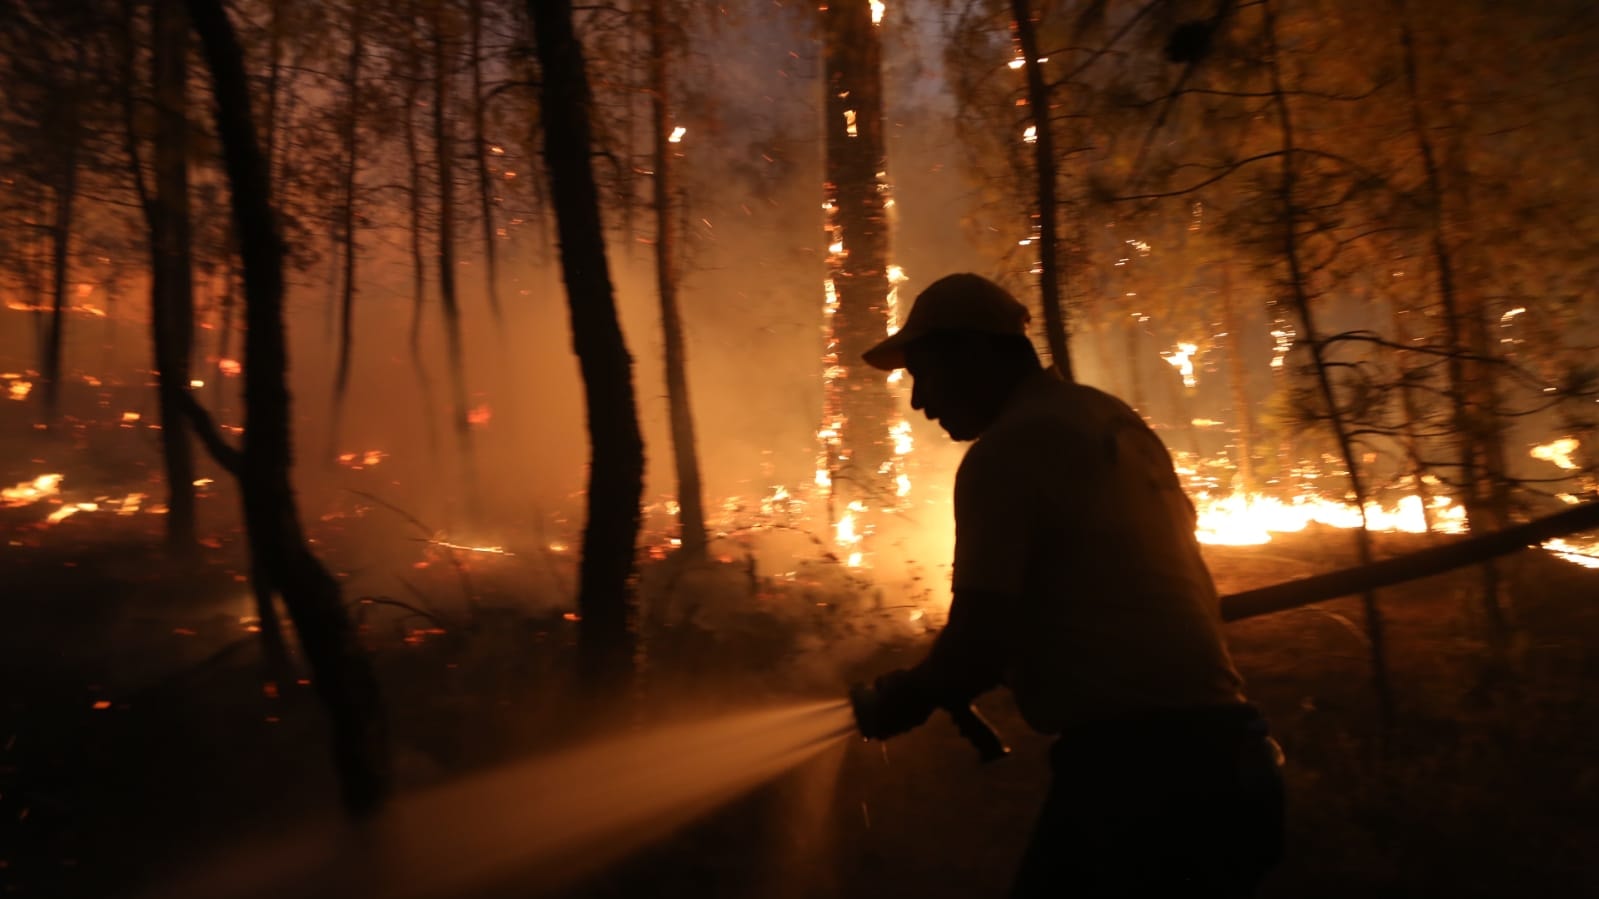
(1316, 588)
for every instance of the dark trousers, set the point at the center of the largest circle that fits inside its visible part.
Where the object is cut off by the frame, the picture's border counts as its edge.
(1184, 804)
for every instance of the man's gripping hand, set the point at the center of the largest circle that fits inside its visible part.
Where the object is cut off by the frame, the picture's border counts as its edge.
(895, 703)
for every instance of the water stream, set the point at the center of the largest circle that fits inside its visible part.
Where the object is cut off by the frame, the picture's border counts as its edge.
(538, 823)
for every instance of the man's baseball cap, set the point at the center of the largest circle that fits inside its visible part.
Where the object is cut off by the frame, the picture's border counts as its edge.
(963, 302)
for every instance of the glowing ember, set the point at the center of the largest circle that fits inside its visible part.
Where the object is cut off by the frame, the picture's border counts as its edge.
(1182, 359)
(488, 550)
(229, 367)
(358, 461)
(196, 383)
(479, 415)
(130, 416)
(1557, 452)
(1030, 135)
(19, 390)
(1016, 63)
(849, 123)
(1584, 553)
(29, 492)
(878, 8)
(677, 135)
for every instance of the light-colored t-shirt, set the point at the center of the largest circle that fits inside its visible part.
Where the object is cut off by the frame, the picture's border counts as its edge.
(1070, 503)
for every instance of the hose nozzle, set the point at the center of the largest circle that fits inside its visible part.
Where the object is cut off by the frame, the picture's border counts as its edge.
(863, 699)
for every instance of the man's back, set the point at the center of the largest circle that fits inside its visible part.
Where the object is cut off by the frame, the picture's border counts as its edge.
(1069, 501)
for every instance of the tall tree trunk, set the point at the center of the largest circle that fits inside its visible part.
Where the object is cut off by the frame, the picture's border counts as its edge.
(685, 451)
(347, 216)
(340, 670)
(274, 77)
(66, 195)
(1409, 437)
(1049, 276)
(1471, 391)
(413, 158)
(859, 408)
(606, 581)
(1301, 300)
(1238, 385)
(172, 291)
(480, 149)
(444, 151)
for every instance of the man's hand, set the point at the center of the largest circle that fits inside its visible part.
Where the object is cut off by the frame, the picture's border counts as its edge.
(895, 703)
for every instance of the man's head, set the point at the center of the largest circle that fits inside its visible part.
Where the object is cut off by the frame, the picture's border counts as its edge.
(965, 345)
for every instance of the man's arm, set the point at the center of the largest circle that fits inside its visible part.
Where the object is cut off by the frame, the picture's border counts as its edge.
(969, 656)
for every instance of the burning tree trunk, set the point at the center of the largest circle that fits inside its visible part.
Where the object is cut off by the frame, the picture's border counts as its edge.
(444, 153)
(278, 547)
(480, 146)
(685, 452)
(606, 586)
(1049, 276)
(172, 282)
(859, 407)
(1298, 290)
(347, 217)
(1471, 391)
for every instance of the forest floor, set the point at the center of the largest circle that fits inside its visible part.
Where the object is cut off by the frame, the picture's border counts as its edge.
(138, 734)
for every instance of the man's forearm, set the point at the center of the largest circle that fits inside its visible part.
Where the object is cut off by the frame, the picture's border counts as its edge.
(969, 656)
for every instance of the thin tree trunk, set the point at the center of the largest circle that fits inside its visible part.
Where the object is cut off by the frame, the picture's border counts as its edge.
(480, 149)
(274, 76)
(1049, 276)
(352, 169)
(607, 589)
(66, 195)
(1485, 504)
(1412, 412)
(413, 156)
(340, 671)
(1238, 385)
(1301, 300)
(685, 452)
(172, 293)
(444, 152)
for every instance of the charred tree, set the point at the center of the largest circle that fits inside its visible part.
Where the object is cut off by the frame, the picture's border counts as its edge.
(69, 130)
(414, 202)
(444, 257)
(607, 576)
(1471, 391)
(1299, 294)
(1238, 385)
(859, 408)
(480, 147)
(685, 451)
(1049, 274)
(347, 214)
(172, 280)
(341, 673)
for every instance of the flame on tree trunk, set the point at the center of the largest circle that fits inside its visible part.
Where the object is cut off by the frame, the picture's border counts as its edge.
(685, 451)
(340, 671)
(172, 277)
(607, 576)
(859, 408)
